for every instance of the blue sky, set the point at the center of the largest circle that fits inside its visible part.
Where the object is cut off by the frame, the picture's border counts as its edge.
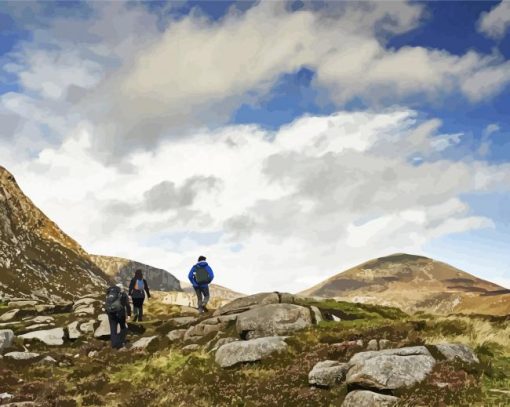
(114, 83)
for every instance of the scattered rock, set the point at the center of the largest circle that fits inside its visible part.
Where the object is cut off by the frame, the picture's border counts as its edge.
(365, 398)
(335, 318)
(316, 314)
(384, 344)
(72, 328)
(372, 344)
(189, 310)
(245, 303)
(103, 330)
(22, 355)
(48, 360)
(88, 327)
(452, 351)
(327, 373)
(6, 338)
(191, 348)
(40, 320)
(390, 368)
(9, 315)
(93, 354)
(22, 304)
(182, 321)
(273, 319)
(222, 341)
(176, 335)
(143, 343)
(233, 353)
(38, 326)
(6, 396)
(52, 337)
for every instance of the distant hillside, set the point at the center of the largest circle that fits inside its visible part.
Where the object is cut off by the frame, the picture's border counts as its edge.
(216, 291)
(123, 270)
(37, 259)
(415, 283)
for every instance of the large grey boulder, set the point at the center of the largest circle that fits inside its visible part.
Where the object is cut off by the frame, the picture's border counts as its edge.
(103, 330)
(273, 319)
(365, 398)
(6, 338)
(245, 303)
(452, 351)
(9, 315)
(391, 368)
(253, 350)
(21, 355)
(327, 373)
(52, 337)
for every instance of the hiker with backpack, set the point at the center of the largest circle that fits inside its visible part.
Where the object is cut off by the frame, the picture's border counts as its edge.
(200, 277)
(118, 309)
(137, 289)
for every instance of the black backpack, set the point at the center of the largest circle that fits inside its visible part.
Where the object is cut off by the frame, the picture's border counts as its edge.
(201, 275)
(113, 303)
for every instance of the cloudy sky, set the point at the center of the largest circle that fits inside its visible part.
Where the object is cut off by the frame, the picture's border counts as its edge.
(286, 141)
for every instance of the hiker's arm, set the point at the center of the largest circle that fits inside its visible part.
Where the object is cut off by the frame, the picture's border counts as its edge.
(191, 278)
(211, 274)
(146, 286)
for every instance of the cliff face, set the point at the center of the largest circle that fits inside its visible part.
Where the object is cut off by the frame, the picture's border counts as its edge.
(122, 270)
(37, 259)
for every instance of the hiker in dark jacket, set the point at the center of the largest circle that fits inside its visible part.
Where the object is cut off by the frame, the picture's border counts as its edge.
(200, 276)
(118, 309)
(137, 289)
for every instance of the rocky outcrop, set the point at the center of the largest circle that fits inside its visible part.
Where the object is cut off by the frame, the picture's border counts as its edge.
(391, 368)
(365, 398)
(52, 337)
(253, 350)
(327, 373)
(452, 351)
(207, 327)
(272, 319)
(246, 303)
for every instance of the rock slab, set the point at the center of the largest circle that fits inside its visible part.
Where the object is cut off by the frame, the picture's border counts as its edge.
(365, 398)
(253, 350)
(328, 373)
(52, 337)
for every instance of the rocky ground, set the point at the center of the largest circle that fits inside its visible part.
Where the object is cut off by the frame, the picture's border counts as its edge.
(270, 349)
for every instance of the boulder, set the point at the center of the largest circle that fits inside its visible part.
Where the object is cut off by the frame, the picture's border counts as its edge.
(176, 335)
(88, 327)
(327, 373)
(21, 355)
(143, 343)
(365, 398)
(372, 344)
(6, 338)
(245, 303)
(208, 326)
(273, 319)
(52, 337)
(253, 350)
(73, 330)
(391, 368)
(317, 316)
(452, 351)
(103, 330)
(9, 315)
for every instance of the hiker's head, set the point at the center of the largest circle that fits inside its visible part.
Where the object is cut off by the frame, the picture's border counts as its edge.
(138, 274)
(202, 258)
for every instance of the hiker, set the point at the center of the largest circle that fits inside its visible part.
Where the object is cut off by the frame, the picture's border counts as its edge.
(118, 309)
(200, 277)
(137, 289)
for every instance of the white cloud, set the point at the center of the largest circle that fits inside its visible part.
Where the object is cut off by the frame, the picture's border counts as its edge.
(495, 23)
(321, 194)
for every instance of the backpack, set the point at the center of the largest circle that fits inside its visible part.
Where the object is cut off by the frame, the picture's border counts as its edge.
(113, 303)
(138, 292)
(201, 275)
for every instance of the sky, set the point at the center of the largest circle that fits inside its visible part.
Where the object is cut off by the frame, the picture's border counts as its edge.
(285, 140)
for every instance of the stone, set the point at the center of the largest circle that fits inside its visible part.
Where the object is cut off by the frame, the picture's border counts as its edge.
(222, 341)
(317, 316)
(189, 310)
(335, 318)
(372, 344)
(176, 335)
(191, 348)
(245, 303)
(391, 368)
(273, 319)
(88, 327)
(103, 330)
(252, 350)
(84, 302)
(41, 320)
(85, 310)
(182, 321)
(48, 360)
(327, 373)
(22, 355)
(6, 338)
(73, 330)
(385, 344)
(365, 398)
(38, 326)
(22, 304)
(9, 315)
(452, 351)
(143, 343)
(52, 337)
(93, 354)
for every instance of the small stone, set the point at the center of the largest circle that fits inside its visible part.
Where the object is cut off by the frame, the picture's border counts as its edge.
(48, 360)
(72, 328)
(316, 314)
(176, 335)
(452, 351)
(9, 315)
(21, 355)
(191, 348)
(335, 318)
(143, 343)
(52, 337)
(327, 373)
(384, 344)
(359, 342)
(372, 344)
(365, 398)
(93, 354)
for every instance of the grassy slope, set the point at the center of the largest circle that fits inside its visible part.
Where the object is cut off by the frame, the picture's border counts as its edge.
(168, 376)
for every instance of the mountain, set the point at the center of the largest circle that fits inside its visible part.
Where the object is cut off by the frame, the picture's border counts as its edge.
(123, 270)
(226, 294)
(415, 283)
(37, 259)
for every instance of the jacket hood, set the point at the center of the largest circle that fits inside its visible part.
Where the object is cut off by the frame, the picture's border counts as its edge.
(202, 264)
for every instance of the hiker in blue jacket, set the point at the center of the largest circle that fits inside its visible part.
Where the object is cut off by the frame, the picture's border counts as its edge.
(200, 276)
